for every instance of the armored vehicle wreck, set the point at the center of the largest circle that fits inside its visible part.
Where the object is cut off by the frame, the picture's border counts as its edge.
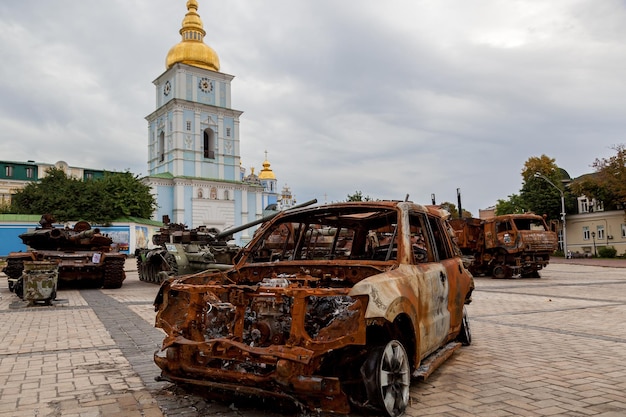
(333, 307)
(181, 250)
(84, 255)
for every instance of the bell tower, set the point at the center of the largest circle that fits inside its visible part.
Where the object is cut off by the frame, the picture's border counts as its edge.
(194, 161)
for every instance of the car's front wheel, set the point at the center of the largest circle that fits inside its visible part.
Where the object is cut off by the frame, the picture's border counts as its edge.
(387, 377)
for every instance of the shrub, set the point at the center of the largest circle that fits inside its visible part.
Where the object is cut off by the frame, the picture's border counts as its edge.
(607, 252)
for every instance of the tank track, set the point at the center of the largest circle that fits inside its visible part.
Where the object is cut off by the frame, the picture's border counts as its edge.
(114, 273)
(150, 271)
(147, 271)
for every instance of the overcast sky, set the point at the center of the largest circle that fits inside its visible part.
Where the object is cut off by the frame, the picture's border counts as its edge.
(387, 98)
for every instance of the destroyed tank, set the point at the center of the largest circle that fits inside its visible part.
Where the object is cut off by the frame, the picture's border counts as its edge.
(85, 256)
(183, 251)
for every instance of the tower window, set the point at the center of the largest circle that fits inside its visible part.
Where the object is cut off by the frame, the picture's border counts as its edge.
(189, 125)
(228, 131)
(209, 144)
(161, 148)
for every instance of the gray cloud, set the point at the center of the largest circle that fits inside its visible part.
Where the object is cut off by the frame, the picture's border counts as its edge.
(414, 97)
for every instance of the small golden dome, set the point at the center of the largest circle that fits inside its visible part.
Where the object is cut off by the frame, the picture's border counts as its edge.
(192, 50)
(267, 173)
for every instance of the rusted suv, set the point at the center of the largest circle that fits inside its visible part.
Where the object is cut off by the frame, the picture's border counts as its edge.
(333, 307)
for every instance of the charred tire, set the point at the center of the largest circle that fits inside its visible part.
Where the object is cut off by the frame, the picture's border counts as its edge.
(18, 288)
(531, 274)
(465, 335)
(387, 377)
(113, 273)
(500, 272)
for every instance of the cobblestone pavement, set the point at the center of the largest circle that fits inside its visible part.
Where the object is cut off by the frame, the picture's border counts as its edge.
(554, 346)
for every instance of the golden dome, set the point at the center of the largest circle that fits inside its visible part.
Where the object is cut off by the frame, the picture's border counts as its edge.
(266, 173)
(192, 50)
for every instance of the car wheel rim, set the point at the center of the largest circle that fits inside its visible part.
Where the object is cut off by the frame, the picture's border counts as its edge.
(394, 378)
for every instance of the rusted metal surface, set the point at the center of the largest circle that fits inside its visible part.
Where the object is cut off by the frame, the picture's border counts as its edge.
(82, 254)
(318, 305)
(506, 246)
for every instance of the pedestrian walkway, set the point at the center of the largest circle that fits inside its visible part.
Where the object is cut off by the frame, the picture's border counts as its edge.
(554, 346)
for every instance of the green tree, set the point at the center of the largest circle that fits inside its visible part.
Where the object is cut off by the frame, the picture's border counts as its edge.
(97, 201)
(514, 205)
(608, 183)
(358, 196)
(542, 187)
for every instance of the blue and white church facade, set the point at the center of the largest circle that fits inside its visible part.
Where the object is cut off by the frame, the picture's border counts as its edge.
(194, 155)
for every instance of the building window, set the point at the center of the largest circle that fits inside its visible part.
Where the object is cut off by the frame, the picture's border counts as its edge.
(599, 205)
(228, 131)
(586, 234)
(208, 144)
(623, 230)
(8, 171)
(29, 172)
(161, 149)
(188, 125)
(600, 233)
(226, 196)
(584, 205)
(89, 175)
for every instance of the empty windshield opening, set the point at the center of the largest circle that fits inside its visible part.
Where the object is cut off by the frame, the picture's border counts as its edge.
(358, 234)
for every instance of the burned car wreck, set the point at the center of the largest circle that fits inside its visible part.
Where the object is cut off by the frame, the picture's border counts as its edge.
(333, 307)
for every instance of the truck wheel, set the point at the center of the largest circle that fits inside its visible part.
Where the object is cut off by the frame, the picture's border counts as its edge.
(465, 335)
(387, 378)
(499, 271)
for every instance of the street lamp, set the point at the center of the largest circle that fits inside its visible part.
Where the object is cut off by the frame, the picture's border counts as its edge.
(538, 175)
(593, 236)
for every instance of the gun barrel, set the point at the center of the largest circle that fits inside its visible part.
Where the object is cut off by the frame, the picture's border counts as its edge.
(245, 226)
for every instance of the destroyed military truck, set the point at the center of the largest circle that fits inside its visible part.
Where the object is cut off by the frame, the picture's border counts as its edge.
(506, 246)
(334, 307)
(181, 250)
(84, 255)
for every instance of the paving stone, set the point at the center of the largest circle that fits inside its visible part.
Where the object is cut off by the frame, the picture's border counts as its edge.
(542, 347)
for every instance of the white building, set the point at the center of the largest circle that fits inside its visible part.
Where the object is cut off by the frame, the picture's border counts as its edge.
(194, 161)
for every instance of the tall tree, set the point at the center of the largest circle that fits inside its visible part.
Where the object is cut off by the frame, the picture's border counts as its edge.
(514, 205)
(542, 187)
(608, 183)
(97, 201)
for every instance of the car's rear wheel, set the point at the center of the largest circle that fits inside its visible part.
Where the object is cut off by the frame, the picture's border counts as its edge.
(465, 335)
(387, 378)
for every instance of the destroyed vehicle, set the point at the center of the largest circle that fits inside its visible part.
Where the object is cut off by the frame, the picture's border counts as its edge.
(85, 257)
(334, 307)
(506, 246)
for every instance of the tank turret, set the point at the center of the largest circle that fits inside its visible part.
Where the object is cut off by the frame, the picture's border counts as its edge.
(183, 251)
